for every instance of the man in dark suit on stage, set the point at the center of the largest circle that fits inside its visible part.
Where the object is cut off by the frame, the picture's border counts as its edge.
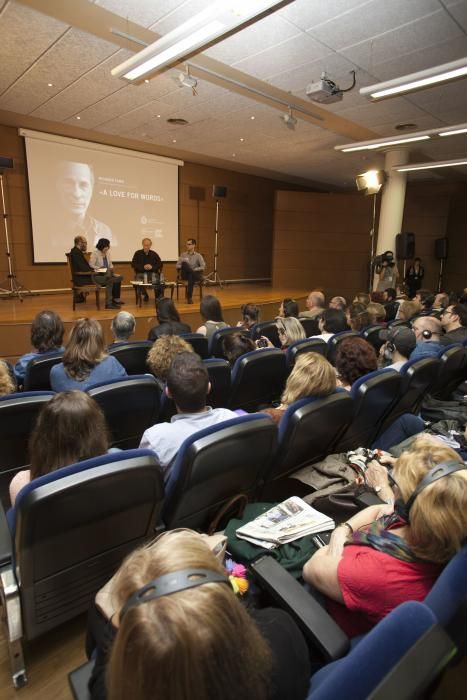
(84, 274)
(147, 266)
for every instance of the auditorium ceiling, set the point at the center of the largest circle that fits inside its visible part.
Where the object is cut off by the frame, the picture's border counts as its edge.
(57, 55)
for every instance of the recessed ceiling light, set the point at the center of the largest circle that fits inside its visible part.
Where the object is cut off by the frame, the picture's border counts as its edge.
(146, 80)
(158, 116)
(409, 126)
(242, 140)
(178, 121)
(252, 117)
(174, 140)
(50, 84)
(233, 155)
(78, 117)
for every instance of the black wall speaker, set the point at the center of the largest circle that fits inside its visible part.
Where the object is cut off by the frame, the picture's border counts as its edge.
(441, 248)
(405, 246)
(6, 163)
(219, 191)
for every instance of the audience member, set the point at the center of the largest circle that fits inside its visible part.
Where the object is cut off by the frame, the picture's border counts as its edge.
(211, 312)
(289, 330)
(408, 309)
(235, 345)
(426, 300)
(332, 321)
(398, 346)
(387, 271)
(391, 306)
(70, 428)
(339, 303)
(250, 313)
(315, 304)
(7, 384)
(414, 277)
(358, 317)
(441, 301)
(188, 385)
(161, 355)
(169, 322)
(428, 332)
(182, 640)
(377, 312)
(312, 375)
(377, 297)
(123, 326)
(362, 298)
(288, 308)
(102, 265)
(362, 569)
(46, 338)
(85, 361)
(454, 323)
(355, 357)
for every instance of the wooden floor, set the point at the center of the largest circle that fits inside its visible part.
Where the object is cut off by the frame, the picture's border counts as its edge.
(16, 315)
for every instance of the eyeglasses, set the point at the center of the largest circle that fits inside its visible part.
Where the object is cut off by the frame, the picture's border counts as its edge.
(446, 311)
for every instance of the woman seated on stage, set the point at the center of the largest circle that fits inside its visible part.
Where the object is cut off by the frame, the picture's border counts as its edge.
(385, 555)
(70, 428)
(169, 322)
(211, 313)
(46, 338)
(312, 375)
(85, 361)
(355, 357)
(168, 625)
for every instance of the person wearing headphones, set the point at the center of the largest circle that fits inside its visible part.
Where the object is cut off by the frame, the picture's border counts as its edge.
(428, 332)
(399, 343)
(390, 553)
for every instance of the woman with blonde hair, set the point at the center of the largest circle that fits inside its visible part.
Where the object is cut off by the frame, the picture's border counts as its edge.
(312, 375)
(176, 631)
(409, 309)
(85, 361)
(387, 554)
(162, 353)
(7, 385)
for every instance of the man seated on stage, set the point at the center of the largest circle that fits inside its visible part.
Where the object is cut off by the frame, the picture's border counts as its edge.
(147, 266)
(188, 385)
(314, 304)
(191, 265)
(79, 264)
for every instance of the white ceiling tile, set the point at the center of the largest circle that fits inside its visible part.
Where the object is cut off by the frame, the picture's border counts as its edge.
(459, 12)
(179, 14)
(306, 14)
(144, 12)
(25, 35)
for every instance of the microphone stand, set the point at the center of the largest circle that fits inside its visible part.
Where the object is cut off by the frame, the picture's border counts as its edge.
(10, 287)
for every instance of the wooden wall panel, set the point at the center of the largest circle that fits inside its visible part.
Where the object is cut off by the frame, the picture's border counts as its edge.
(455, 277)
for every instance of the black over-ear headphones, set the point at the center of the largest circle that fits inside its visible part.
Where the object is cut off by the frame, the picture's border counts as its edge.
(442, 469)
(427, 334)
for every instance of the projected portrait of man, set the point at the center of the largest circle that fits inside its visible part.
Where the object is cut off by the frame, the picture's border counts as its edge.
(74, 186)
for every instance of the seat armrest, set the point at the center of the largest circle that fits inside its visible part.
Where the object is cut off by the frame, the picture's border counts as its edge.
(79, 679)
(368, 498)
(6, 545)
(315, 623)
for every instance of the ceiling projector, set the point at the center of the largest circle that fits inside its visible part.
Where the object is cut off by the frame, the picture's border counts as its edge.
(325, 91)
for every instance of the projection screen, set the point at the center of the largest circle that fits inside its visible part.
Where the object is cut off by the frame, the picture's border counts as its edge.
(82, 188)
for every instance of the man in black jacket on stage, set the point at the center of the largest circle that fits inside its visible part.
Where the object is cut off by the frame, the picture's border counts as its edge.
(84, 274)
(147, 262)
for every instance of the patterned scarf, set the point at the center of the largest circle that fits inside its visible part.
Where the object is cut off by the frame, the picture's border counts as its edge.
(378, 536)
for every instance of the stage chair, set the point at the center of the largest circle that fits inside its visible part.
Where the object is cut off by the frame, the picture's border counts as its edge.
(215, 465)
(85, 288)
(70, 530)
(258, 379)
(37, 377)
(180, 283)
(132, 355)
(130, 406)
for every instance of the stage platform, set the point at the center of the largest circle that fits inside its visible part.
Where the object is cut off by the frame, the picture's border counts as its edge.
(16, 316)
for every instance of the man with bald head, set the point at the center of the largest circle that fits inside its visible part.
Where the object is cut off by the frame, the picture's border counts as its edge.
(314, 304)
(428, 332)
(147, 266)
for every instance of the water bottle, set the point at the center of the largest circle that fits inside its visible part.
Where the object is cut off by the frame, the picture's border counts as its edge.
(145, 278)
(162, 278)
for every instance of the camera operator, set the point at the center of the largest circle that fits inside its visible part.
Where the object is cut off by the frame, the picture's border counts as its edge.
(387, 270)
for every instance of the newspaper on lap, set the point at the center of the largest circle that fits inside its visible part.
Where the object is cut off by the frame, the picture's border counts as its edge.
(285, 522)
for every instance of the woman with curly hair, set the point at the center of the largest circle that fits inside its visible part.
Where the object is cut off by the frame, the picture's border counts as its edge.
(7, 384)
(168, 625)
(85, 361)
(355, 357)
(162, 353)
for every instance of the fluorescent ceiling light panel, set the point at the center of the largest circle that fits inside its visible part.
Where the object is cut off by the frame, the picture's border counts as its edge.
(454, 130)
(372, 146)
(213, 23)
(431, 166)
(417, 81)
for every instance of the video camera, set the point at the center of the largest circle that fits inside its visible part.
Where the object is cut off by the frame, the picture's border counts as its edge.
(386, 258)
